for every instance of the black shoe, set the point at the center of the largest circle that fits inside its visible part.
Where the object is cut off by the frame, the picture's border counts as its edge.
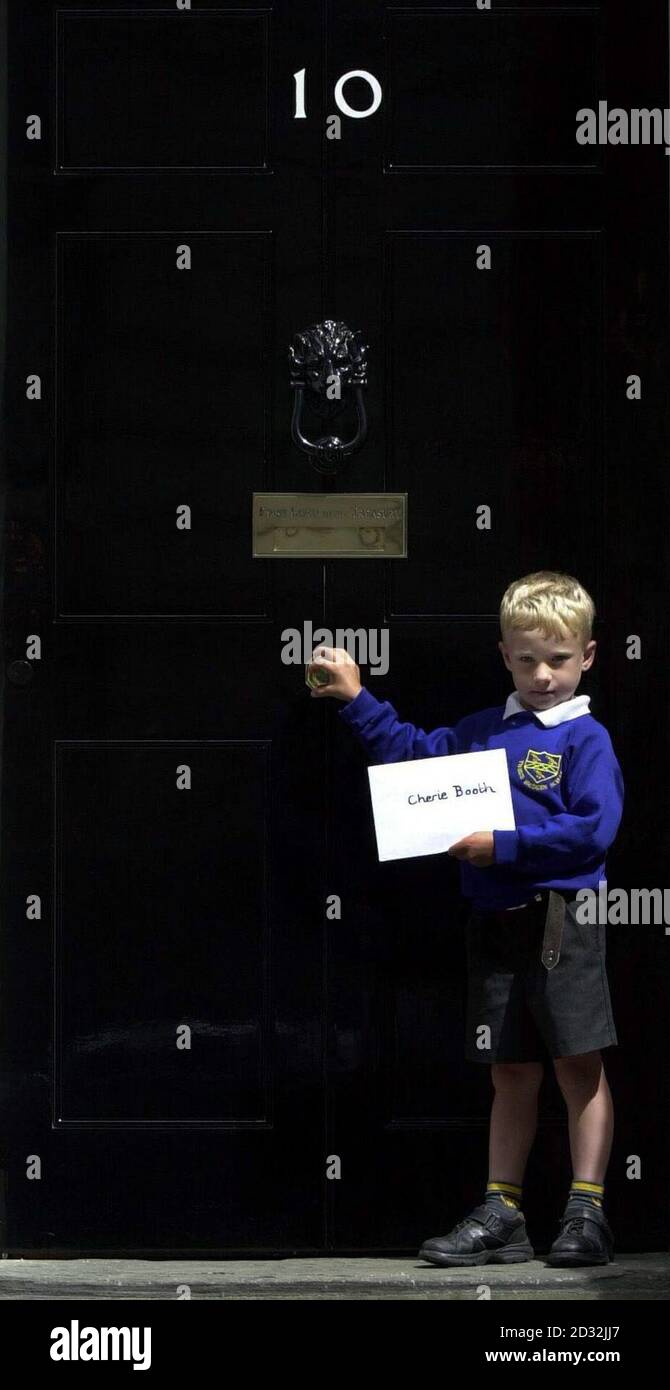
(584, 1237)
(486, 1236)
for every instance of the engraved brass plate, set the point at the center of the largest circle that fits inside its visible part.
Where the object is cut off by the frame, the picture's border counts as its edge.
(332, 526)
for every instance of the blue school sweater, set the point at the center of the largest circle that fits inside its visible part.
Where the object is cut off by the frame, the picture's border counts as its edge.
(567, 789)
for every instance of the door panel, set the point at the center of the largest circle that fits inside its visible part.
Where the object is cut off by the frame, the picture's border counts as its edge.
(150, 397)
(504, 388)
(164, 245)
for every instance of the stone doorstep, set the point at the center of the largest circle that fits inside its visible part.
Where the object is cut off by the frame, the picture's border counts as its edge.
(40, 1277)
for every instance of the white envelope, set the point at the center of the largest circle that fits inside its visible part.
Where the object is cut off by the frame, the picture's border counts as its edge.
(424, 805)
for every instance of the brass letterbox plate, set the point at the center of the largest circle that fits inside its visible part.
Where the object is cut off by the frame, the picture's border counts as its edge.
(332, 526)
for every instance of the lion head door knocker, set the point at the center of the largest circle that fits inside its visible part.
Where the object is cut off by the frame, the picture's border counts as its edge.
(328, 368)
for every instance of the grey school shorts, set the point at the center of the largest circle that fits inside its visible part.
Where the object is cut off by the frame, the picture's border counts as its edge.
(533, 1013)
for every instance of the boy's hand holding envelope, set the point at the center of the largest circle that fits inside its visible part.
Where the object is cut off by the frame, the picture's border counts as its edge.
(476, 848)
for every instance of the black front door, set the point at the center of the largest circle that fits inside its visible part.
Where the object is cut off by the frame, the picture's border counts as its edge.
(199, 1053)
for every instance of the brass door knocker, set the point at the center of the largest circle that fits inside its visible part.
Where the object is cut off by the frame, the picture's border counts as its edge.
(328, 368)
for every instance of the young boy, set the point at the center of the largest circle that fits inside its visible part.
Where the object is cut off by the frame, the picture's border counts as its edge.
(537, 985)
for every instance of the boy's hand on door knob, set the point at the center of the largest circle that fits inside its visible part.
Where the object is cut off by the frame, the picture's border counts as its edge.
(344, 677)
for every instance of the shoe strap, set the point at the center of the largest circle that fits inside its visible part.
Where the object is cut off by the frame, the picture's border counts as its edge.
(576, 1213)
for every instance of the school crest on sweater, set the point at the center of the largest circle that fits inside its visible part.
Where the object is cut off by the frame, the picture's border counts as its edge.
(540, 769)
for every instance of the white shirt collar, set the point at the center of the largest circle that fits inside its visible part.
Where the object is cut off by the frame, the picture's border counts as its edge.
(557, 714)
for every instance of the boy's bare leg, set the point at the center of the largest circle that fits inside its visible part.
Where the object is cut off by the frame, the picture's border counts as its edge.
(513, 1118)
(590, 1113)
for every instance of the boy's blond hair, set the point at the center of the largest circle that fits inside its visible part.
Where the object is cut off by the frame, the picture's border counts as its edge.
(549, 601)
